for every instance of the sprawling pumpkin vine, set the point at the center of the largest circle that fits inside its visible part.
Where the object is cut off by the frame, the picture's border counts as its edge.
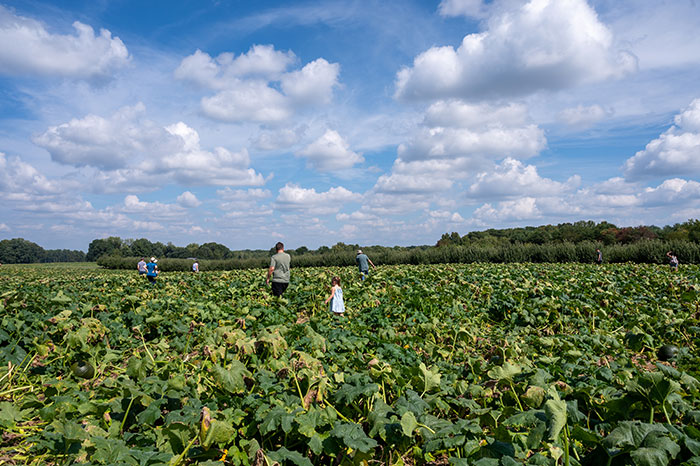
(475, 364)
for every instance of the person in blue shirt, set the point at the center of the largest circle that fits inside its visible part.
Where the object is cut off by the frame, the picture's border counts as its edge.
(195, 266)
(363, 263)
(152, 270)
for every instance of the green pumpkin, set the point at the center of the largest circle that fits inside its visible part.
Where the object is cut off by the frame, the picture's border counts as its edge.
(667, 352)
(82, 369)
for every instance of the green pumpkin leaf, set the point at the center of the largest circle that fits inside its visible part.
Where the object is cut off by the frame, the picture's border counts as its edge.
(408, 423)
(232, 379)
(294, 457)
(354, 437)
(220, 433)
(430, 378)
(505, 372)
(649, 457)
(555, 410)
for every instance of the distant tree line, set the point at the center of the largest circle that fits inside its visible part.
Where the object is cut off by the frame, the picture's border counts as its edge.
(565, 242)
(651, 251)
(21, 251)
(115, 247)
(603, 232)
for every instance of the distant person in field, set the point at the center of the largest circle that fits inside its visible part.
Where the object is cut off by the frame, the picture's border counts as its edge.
(598, 257)
(279, 270)
(336, 298)
(141, 266)
(363, 263)
(672, 260)
(195, 266)
(152, 270)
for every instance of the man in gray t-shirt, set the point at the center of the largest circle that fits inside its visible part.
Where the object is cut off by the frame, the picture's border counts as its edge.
(279, 270)
(363, 263)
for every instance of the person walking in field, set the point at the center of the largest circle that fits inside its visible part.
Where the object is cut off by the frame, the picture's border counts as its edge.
(141, 266)
(336, 298)
(152, 270)
(195, 266)
(673, 260)
(363, 263)
(279, 270)
(598, 257)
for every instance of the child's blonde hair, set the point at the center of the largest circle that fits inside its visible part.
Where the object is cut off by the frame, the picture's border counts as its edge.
(335, 280)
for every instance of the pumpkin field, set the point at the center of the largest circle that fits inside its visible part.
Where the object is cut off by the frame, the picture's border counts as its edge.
(455, 364)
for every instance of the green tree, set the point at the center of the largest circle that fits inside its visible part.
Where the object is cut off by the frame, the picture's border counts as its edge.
(142, 248)
(104, 246)
(213, 251)
(20, 251)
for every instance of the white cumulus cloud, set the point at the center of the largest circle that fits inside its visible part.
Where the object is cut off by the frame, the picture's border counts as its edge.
(458, 140)
(397, 183)
(28, 48)
(330, 152)
(226, 69)
(106, 143)
(258, 85)
(513, 178)
(675, 152)
(516, 210)
(313, 84)
(248, 101)
(127, 147)
(673, 193)
(293, 197)
(22, 182)
(188, 200)
(539, 45)
(238, 201)
(481, 131)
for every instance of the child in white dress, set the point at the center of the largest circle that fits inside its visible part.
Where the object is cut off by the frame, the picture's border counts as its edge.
(336, 297)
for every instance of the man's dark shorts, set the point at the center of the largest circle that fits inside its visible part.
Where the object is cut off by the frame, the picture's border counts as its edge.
(151, 279)
(278, 288)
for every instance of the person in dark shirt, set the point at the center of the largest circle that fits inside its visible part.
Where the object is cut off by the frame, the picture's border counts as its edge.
(363, 263)
(279, 270)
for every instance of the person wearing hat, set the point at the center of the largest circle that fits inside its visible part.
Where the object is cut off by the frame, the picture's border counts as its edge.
(152, 270)
(363, 263)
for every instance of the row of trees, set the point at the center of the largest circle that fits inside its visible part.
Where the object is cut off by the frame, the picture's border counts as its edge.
(21, 251)
(603, 232)
(117, 247)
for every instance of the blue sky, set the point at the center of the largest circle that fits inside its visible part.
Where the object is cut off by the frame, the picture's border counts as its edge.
(370, 122)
